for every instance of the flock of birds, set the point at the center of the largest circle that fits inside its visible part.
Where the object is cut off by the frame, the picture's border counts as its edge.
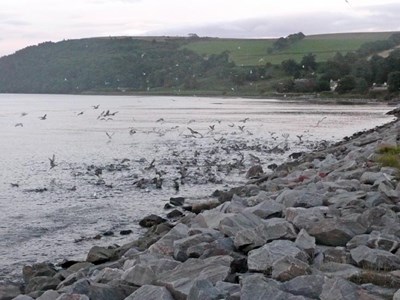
(192, 153)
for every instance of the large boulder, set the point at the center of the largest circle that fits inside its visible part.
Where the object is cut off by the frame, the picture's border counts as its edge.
(180, 280)
(39, 269)
(335, 232)
(257, 287)
(263, 258)
(9, 290)
(340, 289)
(268, 230)
(165, 245)
(98, 291)
(151, 220)
(181, 246)
(266, 209)
(375, 259)
(300, 198)
(306, 285)
(305, 242)
(41, 283)
(203, 289)
(99, 255)
(288, 268)
(150, 292)
(233, 224)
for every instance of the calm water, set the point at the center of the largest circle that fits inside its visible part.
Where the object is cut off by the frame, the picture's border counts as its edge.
(46, 212)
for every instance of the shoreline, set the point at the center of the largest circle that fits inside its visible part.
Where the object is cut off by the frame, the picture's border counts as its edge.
(307, 98)
(332, 214)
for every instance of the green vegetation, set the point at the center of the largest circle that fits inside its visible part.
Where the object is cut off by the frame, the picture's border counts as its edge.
(389, 156)
(296, 64)
(255, 52)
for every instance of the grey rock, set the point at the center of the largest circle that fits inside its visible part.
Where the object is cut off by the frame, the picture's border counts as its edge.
(203, 289)
(210, 219)
(223, 246)
(378, 217)
(341, 289)
(177, 201)
(150, 292)
(180, 280)
(39, 269)
(345, 199)
(346, 271)
(375, 240)
(9, 290)
(266, 209)
(256, 287)
(378, 291)
(73, 297)
(182, 245)
(306, 285)
(228, 288)
(80, 265)
(375, 259)
(396, 295)
(335, 232)
(49, 295)
(98, 255)
(107, 274)
(165, 244)
(233, 224)
(374, 177)
(20, 297)
(98, 291)
(198, 206)
(41, 283)
(306, 217)
(388, 190)
(337, 254)
(300, 198)
(263, 258)
(139, 275)
(288, 268)
(151, 220)
(305, 242)
(174, 214)
(268, 230)
(255, 171)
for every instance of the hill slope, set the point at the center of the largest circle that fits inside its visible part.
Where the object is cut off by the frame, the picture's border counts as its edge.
(250, 52)
(169, 65)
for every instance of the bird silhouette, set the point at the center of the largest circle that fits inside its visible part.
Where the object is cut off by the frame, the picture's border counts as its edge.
(194, 132)
(19, 125)
(52, 161)
(244, 120)
(44, 117)
(80, 113)
(132, 131)
(96, 106)
(110, 135)
(319, 122)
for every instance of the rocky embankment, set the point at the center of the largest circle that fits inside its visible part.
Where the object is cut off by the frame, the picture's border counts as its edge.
(323, 227)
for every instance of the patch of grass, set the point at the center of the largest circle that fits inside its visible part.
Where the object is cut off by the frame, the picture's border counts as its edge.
(254, 52)
(389, 156)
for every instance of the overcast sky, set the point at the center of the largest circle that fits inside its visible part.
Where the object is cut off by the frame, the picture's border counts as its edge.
(29, 22)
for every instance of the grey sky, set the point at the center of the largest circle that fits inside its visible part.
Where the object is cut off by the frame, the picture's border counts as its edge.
(29, 22)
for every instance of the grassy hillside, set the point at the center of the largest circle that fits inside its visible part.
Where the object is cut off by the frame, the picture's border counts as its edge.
(184, 65)
(249, 52)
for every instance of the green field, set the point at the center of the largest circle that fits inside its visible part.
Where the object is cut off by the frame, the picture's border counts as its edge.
(250, 52)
